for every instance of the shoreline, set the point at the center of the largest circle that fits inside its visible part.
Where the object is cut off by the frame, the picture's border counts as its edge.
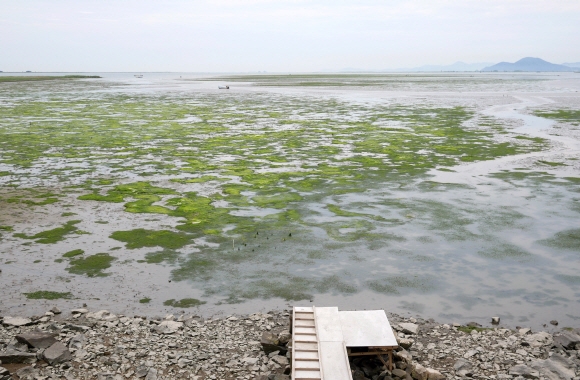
(101, 345)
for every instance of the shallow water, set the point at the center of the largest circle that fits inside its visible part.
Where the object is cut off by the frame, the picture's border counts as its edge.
(437, 195)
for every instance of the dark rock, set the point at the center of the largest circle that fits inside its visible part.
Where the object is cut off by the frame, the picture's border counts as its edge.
(473, 324)
(271, 343)
(57, 353)
(557, 367)
(358, 375)
(554, 322)
(37, 339)
(463, 367)
(568, 339)
(495, 320)
(27, 373)
(9, 357)
(525, 371)
(280, 376)
(399, 373)
(5, 374)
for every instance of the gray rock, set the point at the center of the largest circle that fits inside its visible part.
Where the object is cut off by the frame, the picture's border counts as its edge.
(79, 311)
(284, 337)
(568, 339)
(16, 321)
(280, 376)
(106, 376)
(55, 310)
(77, 342)
(152, 374)
(419, 372)
(141, 371)
(271, 343)
(15, 345)
(37, 339)
(495, 320)
(433, 374)
(27, 373)
(57, 353)
(281, 360)
(463, 367)
(403, 355)
(524, 371)
(168, 327)
(9, 357)
(399, 373)
(406, 343)
(554, 322)
(556, 367)
(409, 328)
(5, 374)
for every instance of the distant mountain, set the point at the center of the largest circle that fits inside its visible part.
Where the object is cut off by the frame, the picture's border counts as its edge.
(572, 64)
(528, 64)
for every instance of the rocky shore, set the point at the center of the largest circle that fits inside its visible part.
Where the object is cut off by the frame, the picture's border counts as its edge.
(81, 344)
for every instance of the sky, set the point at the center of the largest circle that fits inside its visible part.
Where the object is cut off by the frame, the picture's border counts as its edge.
(279, 35)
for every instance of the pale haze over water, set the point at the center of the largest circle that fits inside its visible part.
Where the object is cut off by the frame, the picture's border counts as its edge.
(242, 36)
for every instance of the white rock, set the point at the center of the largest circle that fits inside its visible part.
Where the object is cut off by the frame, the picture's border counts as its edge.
(16, 321)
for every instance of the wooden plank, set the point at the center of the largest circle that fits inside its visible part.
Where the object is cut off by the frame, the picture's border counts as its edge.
(304, 323)
(328, 324)
(303, 308)
(334, 361)
(365, 328)
(302, 346)
(307, 374)
(305, 330)
(307, 364)
(306, 355)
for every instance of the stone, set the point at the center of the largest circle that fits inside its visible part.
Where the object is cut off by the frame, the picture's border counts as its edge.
(27, 373)
(55, 310)
(419, 372)
(470, 353)
(524, 371)
(79, 311)
(168, 327)
(433, 374)
(77, 342)
(16, 321)
(399, 373)
(281, 360)
(141, 371)
(9, 357)
(495, 320)
(280, 376)
(409, 328)
(557, 367)
(284, 337)
(463, 367)
(403, 355)
(270, 343)
(406, 343)
(358, 375)
(568, 339)
(57, 353)
(151, 374)
(554, 322)
(37, 339)
(5, 374)
(539, 339)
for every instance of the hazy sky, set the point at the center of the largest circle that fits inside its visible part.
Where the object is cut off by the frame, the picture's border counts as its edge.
(228, 35)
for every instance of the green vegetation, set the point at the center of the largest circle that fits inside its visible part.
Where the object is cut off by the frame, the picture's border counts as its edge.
(73, 253)
(92, 266)
(36, 78)
(48, 295)
(140, 238)
(560, 115)
(53, 236)
(569, 239)
(183, 303)
(145, 300)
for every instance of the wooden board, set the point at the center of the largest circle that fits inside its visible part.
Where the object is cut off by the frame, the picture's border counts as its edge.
(334, 361)
(367, 328)
(328, 324)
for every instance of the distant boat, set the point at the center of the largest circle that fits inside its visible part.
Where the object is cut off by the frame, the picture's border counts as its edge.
(224, 87)
(138, 75)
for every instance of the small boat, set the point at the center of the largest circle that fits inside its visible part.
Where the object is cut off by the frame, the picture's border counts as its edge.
(138, 75)
(224, 87)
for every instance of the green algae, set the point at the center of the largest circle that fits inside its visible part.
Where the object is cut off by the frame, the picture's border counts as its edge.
(73, 253)
(145, 300)
(560, 115)
(53, 236)
(140, 237)
(505, 251)
(36, 78)
(91, 266)
(184, 303)
(48, 295)
(568, 239)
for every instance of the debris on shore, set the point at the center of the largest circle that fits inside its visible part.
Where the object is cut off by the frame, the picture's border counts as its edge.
(104, 346)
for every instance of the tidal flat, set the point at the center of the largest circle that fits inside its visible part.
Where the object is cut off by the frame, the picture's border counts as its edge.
(451, 196)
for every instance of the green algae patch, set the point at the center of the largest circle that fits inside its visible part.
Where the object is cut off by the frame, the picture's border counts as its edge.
(91, 266)
(145, 300)
(73, 253)
(55, 235)
(36, 78)
(140, 238)
(505, 251)
(48, 295)
(184, 303)
(560, 115)
(569, 239)
(138, 190)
